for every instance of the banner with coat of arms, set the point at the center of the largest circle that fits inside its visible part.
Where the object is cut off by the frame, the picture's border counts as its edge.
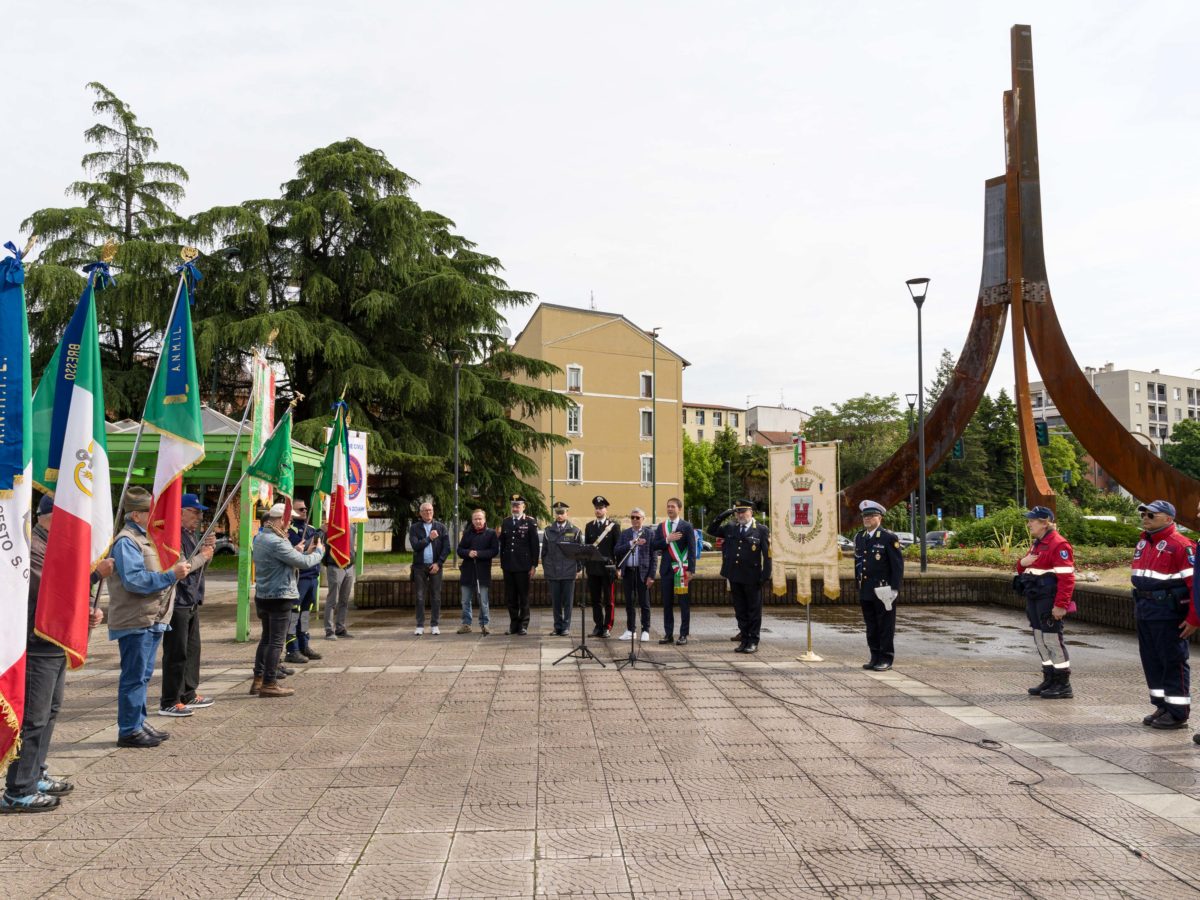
(356, 499)
(804, 518)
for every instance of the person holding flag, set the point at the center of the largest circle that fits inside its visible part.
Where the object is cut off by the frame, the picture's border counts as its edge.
(334, 483)
(676, 540)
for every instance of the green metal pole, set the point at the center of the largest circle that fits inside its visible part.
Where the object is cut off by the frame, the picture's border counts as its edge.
(243, 595)
(360, 529)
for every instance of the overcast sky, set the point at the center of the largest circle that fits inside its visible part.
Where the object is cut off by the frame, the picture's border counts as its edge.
(757, 178)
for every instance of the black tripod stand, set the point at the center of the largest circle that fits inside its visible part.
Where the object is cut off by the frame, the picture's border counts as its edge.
(581, 553)
(633, 659)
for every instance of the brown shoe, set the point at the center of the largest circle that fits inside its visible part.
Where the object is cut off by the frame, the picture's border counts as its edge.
(256, 684)
(273, 689)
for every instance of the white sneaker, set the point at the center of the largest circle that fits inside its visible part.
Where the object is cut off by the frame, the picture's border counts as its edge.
(645, 635)
(419, 631)
(435, 630)
(627, 636)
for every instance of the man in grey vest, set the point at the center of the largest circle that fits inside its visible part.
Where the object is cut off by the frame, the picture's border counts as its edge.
(141, 600)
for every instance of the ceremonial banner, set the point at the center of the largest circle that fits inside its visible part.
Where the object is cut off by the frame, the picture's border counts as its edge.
(263, 424)
(356, 497)
(173, 410)
(70, 462)
(804, 517)
(334, 483)
(16, 496)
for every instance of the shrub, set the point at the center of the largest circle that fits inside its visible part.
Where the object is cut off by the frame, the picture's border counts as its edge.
(1112, 534)
(1006, 528)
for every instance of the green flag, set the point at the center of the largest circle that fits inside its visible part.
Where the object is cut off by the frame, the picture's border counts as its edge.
(274, 462)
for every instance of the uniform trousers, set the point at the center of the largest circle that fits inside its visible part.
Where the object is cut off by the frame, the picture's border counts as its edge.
(603, 593)
(1047, 632)
(297, 636)
(45, 677)
(516, 597)
(881, 626)
(1164, 654)
(747, 609)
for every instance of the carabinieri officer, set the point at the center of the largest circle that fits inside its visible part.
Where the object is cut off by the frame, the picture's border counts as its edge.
(879, 572)
(746, 564)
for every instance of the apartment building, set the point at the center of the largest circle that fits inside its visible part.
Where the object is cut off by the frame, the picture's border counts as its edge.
(704, 421)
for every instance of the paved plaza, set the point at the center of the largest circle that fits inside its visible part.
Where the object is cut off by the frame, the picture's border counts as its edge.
(469, 767)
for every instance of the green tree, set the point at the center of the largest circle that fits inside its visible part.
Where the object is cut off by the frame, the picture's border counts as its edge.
(941, 378)
(870, 427)
(1058, 457)
(128, 196)
(1183, 450)
(751, 470)
(365, 292)
(700, 468)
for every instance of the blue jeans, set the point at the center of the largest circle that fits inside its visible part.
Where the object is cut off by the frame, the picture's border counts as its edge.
(468, 595)
(562, 595)
(138, 652)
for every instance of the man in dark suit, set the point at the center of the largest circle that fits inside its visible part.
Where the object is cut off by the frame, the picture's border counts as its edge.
(601, 533)
(675, 539)
(879, 572)
(746, 565)
(519, 551)
(430, 545)
(636, 560)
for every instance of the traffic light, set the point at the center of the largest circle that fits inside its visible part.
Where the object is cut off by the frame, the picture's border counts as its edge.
(958, 449)
(1043, 433)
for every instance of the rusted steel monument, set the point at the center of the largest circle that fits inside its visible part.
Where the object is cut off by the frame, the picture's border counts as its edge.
(1014, 277)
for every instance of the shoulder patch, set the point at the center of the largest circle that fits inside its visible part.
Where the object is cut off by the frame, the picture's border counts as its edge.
(1160, 546)
(1191, 555)
(896, 544)
(1141, 544)
(1064, 554)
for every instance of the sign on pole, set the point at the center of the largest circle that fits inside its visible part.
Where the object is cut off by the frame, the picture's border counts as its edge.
(357, 498)
(979, 510)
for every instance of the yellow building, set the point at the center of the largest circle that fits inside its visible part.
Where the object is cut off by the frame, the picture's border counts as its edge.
(609, 368)
(704, 421)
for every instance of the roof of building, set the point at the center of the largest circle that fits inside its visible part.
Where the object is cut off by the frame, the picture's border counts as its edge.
(773, 438)
(690, 405)
(601, 314)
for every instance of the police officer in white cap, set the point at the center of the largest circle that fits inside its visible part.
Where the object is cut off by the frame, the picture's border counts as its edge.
(879, 572)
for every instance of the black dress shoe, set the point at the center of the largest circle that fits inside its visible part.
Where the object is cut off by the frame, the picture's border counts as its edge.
(1167, 721)
(870, 665)
(681, 641)
(881, 666)
(667, 640)
(751, 647)
(523, 631)
(741, 648)
(1149, 720)
(138, 739)
(155, 733)
(1196, 738)
(285, 670)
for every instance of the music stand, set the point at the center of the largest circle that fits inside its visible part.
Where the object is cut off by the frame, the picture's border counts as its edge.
(581, 553)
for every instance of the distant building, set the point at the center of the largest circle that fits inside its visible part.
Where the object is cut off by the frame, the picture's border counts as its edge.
(704, 421)
(609, 368)
(773, 426)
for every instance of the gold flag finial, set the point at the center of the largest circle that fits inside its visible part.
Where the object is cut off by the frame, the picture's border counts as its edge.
(271, 337)
(187, 254)
(29, 244)
(109, 251)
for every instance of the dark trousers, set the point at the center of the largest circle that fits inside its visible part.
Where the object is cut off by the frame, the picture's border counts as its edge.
(881, 626)
(45, 677)
(516, 596)
(637, 595)
(603, 593)
(301, 614)
(430, 586)
(181, 657)
(747, 609)
(273, 614)
(1164, 655)
(669, 599)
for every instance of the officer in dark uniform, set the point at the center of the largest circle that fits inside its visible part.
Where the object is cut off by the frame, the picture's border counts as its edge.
(879, 572)
(519, 550)
(746, 564)
(602, 533)
(297, 648)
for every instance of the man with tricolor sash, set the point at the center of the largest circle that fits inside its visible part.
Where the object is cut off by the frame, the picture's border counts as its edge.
(676, 539)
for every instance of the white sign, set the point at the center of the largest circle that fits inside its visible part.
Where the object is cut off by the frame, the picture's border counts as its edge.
(357, 497)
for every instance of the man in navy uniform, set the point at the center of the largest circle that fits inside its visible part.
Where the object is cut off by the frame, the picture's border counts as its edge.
(675, 539)
(300, 534)
(519, 551)
(879, 572)
(602, 533)
(746, 565)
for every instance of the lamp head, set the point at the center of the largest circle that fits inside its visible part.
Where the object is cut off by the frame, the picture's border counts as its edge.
(918, 287)
(912, 401)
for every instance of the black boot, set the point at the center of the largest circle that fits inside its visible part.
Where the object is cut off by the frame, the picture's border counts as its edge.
(1047, 680)
(1061, 688)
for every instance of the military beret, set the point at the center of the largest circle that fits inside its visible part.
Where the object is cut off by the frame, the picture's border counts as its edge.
(599, 500)
(870, 508)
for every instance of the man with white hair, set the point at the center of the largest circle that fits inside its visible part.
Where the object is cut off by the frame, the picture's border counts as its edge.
(637, 562)
(276, 565)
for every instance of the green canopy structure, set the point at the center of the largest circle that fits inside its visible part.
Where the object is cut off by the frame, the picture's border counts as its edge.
(220, 432)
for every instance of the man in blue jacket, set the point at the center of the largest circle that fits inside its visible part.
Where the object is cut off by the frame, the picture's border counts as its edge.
(675, 539)
(430, 545)
(636, 561)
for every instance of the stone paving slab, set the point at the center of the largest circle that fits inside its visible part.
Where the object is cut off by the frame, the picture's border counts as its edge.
(465, 766)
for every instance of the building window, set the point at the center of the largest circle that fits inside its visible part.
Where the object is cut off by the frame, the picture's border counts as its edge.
(575, 379)
(647, 384)
(699, 417)
(685, 415)
(1137, 427)
(647, 469)
(574, 466)
(1137, 408)
(699, 434)
(1137, 387)
(1178, 413)
(1177, 393)
(716, 420)
(733, 419)
(575, 420)
(647, 417)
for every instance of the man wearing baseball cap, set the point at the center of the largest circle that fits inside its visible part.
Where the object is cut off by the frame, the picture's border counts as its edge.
(1162, 601)
(181, 644)
(1046, 579)
(879, 572)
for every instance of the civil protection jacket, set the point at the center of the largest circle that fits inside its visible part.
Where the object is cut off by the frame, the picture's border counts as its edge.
(1052, 574)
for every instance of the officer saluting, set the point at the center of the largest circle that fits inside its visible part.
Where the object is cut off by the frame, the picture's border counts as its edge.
(879, 571)
(746, 564)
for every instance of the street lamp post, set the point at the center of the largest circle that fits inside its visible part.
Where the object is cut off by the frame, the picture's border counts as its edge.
(653, 332)
(912, 497)
(918, 288)
(728, 485)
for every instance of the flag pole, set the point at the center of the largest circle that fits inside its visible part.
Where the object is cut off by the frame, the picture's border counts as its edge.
(233, 450)
(137, 440)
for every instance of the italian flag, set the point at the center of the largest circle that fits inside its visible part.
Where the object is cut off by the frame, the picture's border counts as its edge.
(16, 498)
(334, 483)
(70, 462)
(173, 410)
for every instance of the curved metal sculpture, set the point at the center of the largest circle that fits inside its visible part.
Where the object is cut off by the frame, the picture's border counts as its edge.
(1014, 273)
